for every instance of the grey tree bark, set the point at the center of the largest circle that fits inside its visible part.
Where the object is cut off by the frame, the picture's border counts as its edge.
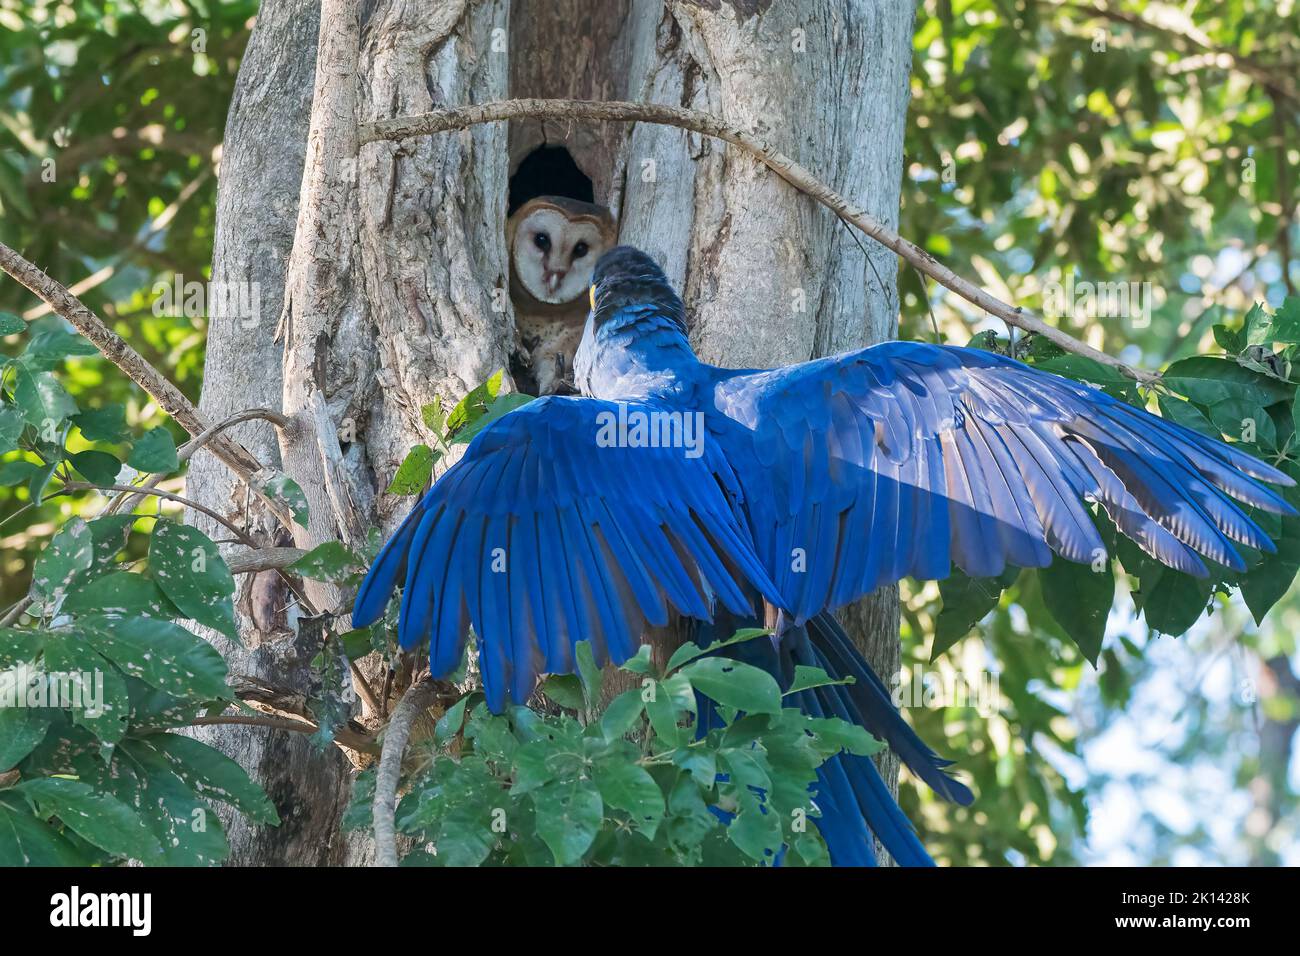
(768, 277)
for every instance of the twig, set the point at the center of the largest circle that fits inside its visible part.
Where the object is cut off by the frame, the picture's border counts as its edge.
(75, 486)
(15, 612)
(243, 536)
(124, 502)
(342, 735)
(114, 348)
(413, 703)
(439, 121)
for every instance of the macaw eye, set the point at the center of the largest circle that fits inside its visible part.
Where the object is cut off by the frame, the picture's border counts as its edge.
(580, 250)
(543, 241)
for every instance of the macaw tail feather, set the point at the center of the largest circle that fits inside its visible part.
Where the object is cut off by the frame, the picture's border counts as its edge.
(851, 796)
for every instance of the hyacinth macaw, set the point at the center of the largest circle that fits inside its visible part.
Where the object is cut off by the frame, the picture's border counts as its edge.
(672, 487)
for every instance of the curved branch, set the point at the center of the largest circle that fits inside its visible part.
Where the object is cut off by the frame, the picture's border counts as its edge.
(440, 121)
(414, 702)
(74, 486)
(125, 502)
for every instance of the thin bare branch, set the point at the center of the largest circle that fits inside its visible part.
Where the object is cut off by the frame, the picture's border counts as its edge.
(440, 121)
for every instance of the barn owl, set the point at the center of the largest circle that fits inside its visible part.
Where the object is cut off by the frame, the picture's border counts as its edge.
(554, 243)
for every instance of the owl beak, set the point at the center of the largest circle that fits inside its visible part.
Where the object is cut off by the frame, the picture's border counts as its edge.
(553, 278)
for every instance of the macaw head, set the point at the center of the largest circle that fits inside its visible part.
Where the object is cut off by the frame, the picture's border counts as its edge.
(625, 277)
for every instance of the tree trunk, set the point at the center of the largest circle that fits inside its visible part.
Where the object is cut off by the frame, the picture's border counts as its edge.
(768, 276)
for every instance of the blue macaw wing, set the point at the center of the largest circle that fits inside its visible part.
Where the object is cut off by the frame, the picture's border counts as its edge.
(557, 527)
(906, 458)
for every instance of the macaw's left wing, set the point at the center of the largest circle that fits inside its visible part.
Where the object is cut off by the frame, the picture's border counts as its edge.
(905, 458)
(565, 521)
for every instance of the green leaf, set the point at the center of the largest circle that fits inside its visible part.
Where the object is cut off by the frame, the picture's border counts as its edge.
(450, 723)
(27, 841)
(21, 729)
(474, 404)
(502, 405)
(846, 736)
(639, 663)
(623, 713)
(1080, 599)
(735, 684)
(212, 774)
(435, 419)
(105, 703)
(1086, 370)
(627, 786)
(1244, 421)
(97, 818)
(107, 423)
(806, 677)
(70, 551)
(18, 646)
(40, 481)
(569, 814)
(11, 324)
(589, 673)
(1286, 323)
(565, 690)
(49, 343)
(331, 561)
(163, 655)
(121, 594)
(966, 601)
(280, 487)
(155, 452)
(414, 473)
(689, 651)
(17, 472)
(43, 401)
(1175, 602)
(97, 467)
(185, 826)
(1188, 415)
(1229, 340)
(11, 427)
(190, 571)
(672, 699)
(1208, 381)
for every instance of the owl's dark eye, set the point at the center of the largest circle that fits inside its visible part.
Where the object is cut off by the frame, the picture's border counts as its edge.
(543, 241)
(580, 250)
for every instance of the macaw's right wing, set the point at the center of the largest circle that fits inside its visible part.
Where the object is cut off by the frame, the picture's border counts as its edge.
(906, 458)
(569, 519)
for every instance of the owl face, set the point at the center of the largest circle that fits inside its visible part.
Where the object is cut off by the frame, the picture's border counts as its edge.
(555, 252)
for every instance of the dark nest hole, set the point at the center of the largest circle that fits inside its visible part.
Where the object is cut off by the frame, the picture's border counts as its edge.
(548, 171)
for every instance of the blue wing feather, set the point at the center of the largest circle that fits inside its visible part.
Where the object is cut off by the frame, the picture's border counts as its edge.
(906, 458)
(543, 535)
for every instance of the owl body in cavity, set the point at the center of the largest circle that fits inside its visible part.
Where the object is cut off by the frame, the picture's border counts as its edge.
(554, 243)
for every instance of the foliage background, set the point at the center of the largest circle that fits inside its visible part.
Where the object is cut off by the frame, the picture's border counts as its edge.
(1149, 143)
